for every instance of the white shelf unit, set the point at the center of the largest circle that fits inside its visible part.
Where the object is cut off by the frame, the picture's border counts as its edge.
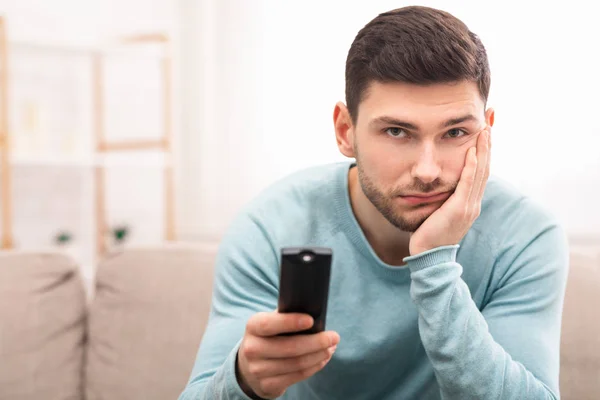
(62, 138)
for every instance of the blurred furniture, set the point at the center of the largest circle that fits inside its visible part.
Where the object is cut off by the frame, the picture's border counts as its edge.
(41, 106)
(138, 336)
(580, 344)
(164, 144)
(5, 186)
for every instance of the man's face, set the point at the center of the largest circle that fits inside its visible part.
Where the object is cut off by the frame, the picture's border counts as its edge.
(410, 144)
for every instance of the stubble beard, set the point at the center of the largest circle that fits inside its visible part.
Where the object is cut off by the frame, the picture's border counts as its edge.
(384, 203)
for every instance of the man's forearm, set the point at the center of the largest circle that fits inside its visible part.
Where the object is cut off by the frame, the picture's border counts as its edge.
(467, 360)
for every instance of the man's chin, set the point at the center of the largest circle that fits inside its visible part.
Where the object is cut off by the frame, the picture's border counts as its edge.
(412, 220)
(407, 226)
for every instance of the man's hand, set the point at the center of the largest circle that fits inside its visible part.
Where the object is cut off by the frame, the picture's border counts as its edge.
(268, 364)
(451, 222)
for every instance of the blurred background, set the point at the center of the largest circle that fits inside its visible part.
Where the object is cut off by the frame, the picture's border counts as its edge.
(140, 121)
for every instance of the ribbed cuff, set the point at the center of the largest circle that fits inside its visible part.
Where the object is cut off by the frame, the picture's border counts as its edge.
(234, 391)
(429, 258)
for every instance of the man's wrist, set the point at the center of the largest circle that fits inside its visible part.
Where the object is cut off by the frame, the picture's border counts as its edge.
(432, 257)
(242, 383)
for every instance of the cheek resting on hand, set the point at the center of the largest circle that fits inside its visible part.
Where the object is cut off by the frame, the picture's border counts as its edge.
(471, 140)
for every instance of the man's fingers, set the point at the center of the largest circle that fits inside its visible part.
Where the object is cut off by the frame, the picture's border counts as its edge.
(299, 345)
(486, 167)
(478, 185)
(268, 324)
(274, 384)
(481, 161)
(467, 177)
(273, 367)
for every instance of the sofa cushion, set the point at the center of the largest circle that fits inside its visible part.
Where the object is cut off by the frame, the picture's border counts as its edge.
(42, 312)
(146, 321)
(580, 343)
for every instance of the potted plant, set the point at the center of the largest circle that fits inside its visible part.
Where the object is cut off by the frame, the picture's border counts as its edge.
(118, 236)
(64, 241)
(63, 238)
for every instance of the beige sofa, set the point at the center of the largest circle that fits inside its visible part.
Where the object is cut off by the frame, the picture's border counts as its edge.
(137, 338)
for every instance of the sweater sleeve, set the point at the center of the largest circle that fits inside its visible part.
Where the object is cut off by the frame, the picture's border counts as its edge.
(245, 283)
(508, 350)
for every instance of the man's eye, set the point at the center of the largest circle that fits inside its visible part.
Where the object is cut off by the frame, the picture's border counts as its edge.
(455, 133)
(396, 132)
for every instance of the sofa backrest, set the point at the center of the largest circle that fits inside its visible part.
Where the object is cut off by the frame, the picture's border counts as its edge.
(580, 337)
(146, 321)
(42, 312)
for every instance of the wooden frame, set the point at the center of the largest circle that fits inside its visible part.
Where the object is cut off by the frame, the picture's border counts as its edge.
(102, 146)
(165, 143)
(5, 167)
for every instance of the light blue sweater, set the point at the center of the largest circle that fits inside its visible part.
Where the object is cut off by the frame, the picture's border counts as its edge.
(479, 320)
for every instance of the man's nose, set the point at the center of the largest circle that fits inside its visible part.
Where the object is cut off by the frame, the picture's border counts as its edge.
(426, 168)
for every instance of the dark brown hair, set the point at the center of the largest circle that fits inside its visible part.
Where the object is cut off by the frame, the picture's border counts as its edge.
(418, 45)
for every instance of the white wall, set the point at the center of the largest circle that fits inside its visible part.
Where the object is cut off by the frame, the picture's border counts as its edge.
(85, 21)
(220, 59)
(267, 74)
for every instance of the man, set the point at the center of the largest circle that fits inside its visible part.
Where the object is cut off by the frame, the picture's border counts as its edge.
(445, 284)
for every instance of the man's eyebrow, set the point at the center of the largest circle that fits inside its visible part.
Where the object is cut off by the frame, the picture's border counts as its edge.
(385, 120)
(459, 120)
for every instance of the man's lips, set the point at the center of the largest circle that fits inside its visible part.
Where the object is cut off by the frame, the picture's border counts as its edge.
(422, 198)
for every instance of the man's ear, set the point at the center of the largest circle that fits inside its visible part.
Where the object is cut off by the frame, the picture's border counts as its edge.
(489, 116)
(344, 130)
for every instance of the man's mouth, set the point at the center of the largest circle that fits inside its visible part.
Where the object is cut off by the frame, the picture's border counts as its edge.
(423, 198)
